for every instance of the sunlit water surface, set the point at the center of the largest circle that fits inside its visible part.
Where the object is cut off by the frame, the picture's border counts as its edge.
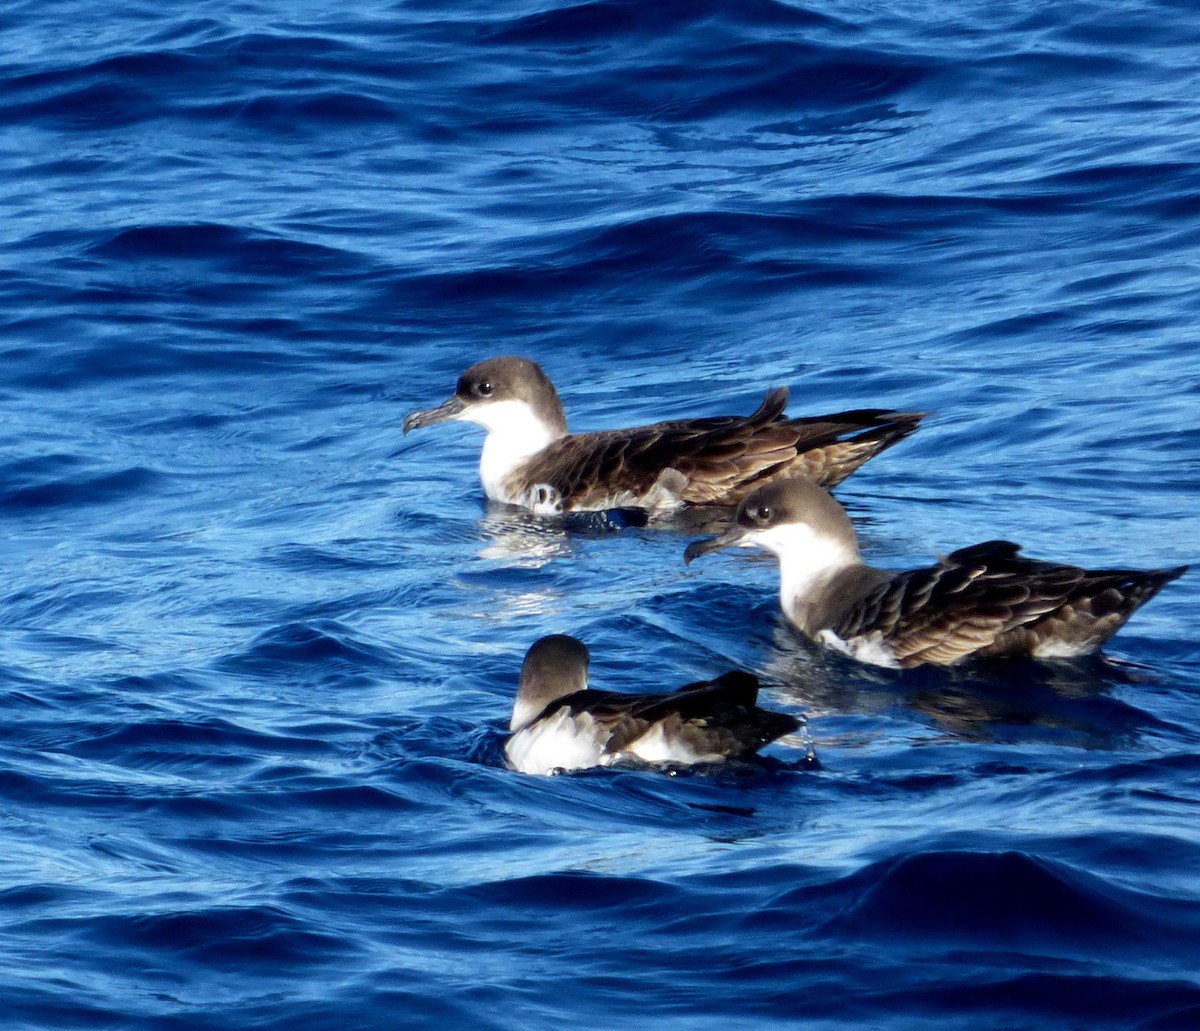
(258, 650)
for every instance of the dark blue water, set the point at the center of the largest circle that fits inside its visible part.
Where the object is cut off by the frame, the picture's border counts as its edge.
(257, 651)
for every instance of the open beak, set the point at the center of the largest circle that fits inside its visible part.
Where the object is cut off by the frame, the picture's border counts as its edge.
(452, 409)
(731, 538)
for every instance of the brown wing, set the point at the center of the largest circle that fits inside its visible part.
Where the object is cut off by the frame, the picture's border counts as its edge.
(721, 459)
(988, 600)
(829, 461)
(718, 716)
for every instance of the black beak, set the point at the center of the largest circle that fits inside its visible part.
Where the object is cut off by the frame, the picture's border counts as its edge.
(451, 409)
(730, 538)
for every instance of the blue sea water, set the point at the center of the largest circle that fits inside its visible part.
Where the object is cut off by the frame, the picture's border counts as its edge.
(257, 650)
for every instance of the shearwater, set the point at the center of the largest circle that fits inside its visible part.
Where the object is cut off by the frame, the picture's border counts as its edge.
(529, 458)
(985, 600)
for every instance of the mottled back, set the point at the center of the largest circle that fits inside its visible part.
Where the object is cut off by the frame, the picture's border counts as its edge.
(720, 459)
(987, 600)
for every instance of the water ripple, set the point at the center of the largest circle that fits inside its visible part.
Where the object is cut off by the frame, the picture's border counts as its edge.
(258, 650)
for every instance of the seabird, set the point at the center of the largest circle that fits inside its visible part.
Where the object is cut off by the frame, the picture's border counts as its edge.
(559, 723)
(529, 458)
(985, 600)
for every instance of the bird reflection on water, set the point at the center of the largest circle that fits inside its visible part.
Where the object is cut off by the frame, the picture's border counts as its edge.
(522, 539)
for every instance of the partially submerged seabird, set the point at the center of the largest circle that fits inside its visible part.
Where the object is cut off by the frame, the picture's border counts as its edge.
(530, 459)
(559, 723)
(986, 600)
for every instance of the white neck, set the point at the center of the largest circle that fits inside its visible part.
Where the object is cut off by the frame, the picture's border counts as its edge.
(514, 434)
(524, 713)
(807, 560)
(533, 696)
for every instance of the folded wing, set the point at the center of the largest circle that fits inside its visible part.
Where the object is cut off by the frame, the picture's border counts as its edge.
(990, 600)
(715, 461)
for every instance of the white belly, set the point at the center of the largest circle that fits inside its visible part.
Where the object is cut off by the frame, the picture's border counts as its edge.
(563, 742)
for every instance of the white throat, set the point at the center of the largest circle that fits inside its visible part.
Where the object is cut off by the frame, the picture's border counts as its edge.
(514, 434)
(807, 559)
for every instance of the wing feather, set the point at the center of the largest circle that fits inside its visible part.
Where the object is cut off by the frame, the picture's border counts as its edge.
(997, 602)
(721, 458)
(719, 716)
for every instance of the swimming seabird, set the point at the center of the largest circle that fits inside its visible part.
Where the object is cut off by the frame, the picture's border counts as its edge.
(529, 458)
(559, 723)
(985, 600)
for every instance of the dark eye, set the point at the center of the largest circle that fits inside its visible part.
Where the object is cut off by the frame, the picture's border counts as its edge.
(762, 514)
(483, 388)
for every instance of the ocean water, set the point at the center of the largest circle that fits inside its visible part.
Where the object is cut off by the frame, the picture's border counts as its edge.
(258, 650)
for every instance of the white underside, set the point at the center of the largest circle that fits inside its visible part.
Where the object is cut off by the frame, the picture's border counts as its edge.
(563, 742)
(871, 648)
(655, 746)
(866, 648)
(1064, 649)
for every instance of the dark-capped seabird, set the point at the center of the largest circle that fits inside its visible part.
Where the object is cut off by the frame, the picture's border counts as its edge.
(985, 600)
(559, 723)
(530, 459)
